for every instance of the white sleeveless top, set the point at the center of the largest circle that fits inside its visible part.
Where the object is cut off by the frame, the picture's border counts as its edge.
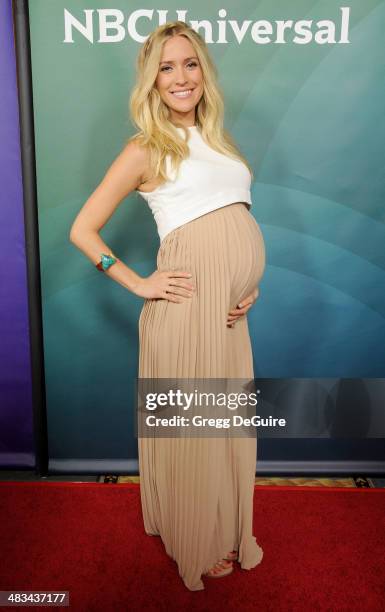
(207, 180)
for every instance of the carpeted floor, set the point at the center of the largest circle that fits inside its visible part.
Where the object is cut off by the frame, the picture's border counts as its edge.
(324, 548)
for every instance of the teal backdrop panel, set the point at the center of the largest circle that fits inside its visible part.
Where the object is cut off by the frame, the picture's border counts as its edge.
(306, 110)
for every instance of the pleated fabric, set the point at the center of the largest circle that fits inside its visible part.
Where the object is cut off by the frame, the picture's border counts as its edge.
(197, 493)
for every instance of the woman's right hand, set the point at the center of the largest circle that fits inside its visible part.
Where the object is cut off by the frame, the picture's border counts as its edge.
(165, 285)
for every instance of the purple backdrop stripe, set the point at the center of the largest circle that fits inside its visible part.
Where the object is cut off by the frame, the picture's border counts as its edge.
(16, 419)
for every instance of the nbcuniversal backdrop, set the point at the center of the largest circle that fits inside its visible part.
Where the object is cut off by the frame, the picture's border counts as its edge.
(304, 98)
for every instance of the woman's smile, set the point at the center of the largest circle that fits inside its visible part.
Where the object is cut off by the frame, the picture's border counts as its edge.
(184, 93)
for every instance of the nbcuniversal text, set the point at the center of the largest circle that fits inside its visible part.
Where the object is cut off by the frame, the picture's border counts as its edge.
(111, 25)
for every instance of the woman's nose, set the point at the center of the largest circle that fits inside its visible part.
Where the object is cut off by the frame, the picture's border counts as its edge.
(180, 77)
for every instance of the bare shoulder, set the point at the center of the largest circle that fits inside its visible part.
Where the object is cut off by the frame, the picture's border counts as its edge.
(135, 153)
(127, 170)
(137, 156)
(135, 148)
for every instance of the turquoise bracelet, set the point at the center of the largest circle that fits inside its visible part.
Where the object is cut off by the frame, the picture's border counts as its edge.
(106, 262)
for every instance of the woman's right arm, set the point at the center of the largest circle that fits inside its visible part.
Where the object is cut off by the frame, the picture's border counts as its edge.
(124, 175)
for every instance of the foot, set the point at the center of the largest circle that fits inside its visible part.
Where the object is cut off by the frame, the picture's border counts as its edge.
(221, 568)
(232, 556)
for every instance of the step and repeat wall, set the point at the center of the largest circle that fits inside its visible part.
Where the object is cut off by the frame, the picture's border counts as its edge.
(304, 98)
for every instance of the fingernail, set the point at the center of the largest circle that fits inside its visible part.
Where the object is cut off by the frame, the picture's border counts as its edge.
(240, 305)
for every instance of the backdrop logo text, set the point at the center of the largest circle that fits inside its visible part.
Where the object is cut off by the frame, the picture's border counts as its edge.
(112, 26)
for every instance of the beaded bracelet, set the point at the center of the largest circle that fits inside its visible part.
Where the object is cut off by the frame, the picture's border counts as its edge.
(106, 261)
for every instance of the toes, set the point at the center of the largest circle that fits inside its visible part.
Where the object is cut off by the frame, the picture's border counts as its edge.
(219, 566)
(225, 563)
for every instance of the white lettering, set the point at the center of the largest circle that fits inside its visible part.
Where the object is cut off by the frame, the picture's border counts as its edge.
(345, 10)
(222, 26)
(281, 27)
(71, 22)
(259, 31)
(302, 28)
(131, 24)
(104, 25)
(262, 32)
(207, 27)
(239, 33)
(326, 32)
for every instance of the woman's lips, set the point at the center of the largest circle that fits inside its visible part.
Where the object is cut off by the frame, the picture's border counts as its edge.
(182, 94)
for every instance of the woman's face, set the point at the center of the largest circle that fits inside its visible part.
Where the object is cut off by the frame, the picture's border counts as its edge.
(180, 71)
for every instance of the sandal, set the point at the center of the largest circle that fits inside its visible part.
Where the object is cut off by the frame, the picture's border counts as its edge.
(219, 570)
(232, 556)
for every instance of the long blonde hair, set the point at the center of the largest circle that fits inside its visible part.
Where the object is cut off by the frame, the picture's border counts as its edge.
(152, 116)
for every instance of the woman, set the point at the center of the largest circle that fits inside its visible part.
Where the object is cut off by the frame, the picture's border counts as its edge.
(196, 493)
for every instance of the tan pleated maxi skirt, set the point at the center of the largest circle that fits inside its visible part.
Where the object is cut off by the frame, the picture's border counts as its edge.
(197, 493)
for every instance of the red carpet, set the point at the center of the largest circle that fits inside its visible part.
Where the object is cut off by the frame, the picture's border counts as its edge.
(324, 550)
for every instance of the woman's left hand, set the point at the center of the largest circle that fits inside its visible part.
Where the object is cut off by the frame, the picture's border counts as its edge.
(242, 308)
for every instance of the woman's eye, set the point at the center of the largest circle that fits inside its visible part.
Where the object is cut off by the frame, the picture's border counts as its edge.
(190, 64)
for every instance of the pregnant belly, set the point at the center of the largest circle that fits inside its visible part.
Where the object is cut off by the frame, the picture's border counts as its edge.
(228, 241)
(247, 254)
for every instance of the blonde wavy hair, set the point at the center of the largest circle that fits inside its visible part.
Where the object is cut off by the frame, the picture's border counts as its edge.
(152, 116)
